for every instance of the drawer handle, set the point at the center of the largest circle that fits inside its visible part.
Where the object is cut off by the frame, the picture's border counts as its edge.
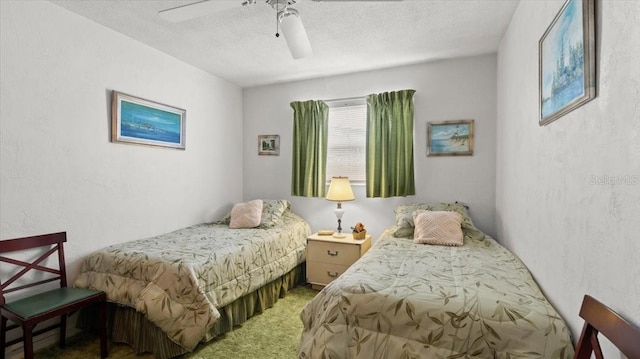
(333, 274)
(332, 253)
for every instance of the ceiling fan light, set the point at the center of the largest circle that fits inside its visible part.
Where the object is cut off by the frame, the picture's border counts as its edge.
(295, 34)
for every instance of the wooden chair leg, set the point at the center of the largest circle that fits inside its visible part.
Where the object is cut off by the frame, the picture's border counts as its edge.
(28, 341)
(103, 330)
(3, 336)
(63, 330)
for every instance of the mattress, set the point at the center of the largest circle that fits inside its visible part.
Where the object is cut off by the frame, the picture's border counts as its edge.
(406, 300)
(179, 280)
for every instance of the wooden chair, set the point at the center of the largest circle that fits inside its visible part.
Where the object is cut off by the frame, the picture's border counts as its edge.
(601, 319)
(37, 307)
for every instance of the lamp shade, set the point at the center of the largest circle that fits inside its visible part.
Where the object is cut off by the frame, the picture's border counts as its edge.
(340, 190)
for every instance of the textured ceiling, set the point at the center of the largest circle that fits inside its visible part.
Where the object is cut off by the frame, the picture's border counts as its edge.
(239, 44)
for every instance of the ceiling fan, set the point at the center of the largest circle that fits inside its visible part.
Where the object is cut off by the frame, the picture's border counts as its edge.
(288, 18)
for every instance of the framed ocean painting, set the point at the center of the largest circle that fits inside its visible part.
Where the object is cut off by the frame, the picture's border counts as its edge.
(143, 122)
(567, 61)
(450, 138)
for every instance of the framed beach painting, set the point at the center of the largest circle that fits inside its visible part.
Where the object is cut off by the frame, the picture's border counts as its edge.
(567, 68)
(450, 138)
(138, 121)
(269, 145)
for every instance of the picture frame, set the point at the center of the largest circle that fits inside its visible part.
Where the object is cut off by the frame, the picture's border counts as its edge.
(139, 121)
(269, 145)
(450, 138)
(567, 64)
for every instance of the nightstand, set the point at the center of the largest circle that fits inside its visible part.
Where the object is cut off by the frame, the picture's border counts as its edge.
(328, 257)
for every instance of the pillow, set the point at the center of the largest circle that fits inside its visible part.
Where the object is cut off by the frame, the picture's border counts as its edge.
(272, 211)
(404, 219)
(438, 227)
(246, 215)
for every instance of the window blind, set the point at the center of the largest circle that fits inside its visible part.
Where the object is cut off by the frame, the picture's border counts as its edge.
(346, 146)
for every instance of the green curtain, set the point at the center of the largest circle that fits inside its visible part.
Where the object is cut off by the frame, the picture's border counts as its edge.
(310, 127)
(390, 170)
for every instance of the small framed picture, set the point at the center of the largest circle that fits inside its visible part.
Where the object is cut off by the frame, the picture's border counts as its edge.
(450, 138)
(269, 145)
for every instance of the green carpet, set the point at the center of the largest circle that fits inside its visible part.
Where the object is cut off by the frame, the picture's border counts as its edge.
(274, 334)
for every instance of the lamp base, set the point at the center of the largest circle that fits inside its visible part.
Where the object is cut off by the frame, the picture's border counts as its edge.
(339, 235)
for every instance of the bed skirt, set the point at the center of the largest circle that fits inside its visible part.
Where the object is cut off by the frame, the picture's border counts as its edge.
(131, 327)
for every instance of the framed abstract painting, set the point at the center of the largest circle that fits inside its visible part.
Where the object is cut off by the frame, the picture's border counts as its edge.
(567, 68)
(138, 121)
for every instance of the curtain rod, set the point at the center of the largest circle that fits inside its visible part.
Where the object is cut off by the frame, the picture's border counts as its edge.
(343, 102)
(347, 99)
(354, 98)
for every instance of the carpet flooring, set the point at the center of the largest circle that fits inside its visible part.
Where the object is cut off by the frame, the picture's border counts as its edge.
(274, 334)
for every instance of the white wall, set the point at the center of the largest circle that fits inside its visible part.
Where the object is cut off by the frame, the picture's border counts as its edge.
(445, 90)
(58, 169)
(576, 236)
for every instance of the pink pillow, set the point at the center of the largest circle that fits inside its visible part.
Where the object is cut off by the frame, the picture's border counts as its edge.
(438, 227)
(246, 215)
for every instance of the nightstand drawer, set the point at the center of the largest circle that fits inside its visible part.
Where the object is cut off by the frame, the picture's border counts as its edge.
(324, 273)
(331, 252)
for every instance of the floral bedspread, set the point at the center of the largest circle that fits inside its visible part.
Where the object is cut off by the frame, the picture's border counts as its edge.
(406, 300)
(179, 279)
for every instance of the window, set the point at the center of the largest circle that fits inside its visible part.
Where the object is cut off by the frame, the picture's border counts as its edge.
(346, 142)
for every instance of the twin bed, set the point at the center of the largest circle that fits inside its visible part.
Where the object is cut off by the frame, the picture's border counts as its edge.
(176, 290)
(411, 300)
(400, 300)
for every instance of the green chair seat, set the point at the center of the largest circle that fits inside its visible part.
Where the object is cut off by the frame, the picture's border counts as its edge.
(43, 302)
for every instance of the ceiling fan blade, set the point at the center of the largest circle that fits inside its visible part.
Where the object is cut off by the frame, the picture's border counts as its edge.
(352, 0)
(295, 34)
(192, 11)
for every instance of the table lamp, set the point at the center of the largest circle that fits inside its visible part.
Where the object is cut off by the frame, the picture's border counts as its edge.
(340, 191)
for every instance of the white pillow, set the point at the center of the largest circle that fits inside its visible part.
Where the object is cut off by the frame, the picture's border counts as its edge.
(438, 227)
(246, 215)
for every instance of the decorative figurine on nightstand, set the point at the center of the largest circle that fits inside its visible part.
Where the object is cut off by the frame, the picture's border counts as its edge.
(359, 232)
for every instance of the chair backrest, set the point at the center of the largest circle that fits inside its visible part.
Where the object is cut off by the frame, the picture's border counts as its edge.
(601, 319)
(54, 243)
